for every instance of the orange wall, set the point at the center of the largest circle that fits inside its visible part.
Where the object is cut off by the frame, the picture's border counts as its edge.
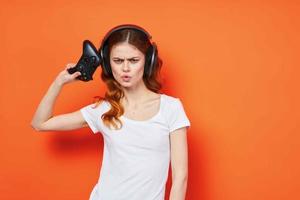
(234, 65)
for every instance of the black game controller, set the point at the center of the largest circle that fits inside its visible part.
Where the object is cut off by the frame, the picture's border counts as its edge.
(88, 62)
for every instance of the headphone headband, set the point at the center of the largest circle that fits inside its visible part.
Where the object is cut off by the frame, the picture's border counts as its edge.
(152, 56)
(125, 26)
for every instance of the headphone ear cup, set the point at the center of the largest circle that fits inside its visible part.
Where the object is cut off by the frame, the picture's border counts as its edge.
(155, 52)
(147, 61)
(151, 60)
(106, 65)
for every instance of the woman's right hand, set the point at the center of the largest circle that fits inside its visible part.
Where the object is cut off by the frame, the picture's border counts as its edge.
(64, 76)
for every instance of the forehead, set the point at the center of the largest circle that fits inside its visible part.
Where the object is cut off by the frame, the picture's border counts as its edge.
(125, 49)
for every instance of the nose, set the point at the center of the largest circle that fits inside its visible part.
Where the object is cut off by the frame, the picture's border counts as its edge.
(125, 66)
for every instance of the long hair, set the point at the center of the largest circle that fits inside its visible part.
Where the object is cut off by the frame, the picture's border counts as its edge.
(114, 90)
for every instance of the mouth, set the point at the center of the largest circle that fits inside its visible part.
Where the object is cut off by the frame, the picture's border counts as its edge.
(126, 78)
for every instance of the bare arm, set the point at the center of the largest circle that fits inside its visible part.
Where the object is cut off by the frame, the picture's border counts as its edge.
(43, 119)
(179, 164)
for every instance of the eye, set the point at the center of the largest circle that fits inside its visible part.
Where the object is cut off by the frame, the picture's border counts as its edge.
(117, 61)
(134, 60)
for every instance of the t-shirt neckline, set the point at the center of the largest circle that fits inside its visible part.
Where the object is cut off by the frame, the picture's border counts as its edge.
(148, 120)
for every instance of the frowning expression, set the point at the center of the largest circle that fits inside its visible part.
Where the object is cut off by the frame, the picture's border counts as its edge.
(127, 64)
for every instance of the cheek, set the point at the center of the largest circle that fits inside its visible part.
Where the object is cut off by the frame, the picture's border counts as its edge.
(115, 68)
(139, 66)
(112, 65)
(115, 71)
(138, 70)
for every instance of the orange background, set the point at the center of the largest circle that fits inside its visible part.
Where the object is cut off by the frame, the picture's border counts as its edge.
(234, 65)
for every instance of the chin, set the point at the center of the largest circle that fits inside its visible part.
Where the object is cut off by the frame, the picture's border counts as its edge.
(126, 85)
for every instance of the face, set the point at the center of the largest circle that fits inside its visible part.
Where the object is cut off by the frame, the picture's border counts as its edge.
(127, 64)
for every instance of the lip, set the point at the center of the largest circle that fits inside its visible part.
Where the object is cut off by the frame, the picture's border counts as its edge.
(125, 76)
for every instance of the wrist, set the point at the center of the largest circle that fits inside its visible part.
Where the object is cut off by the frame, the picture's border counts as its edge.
(58, 83)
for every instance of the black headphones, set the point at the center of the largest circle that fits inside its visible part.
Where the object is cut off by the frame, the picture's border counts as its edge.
(150, 57)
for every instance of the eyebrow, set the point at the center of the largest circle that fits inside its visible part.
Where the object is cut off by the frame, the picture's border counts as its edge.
(127, 58)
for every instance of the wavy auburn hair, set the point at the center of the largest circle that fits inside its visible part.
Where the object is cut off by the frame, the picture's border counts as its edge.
(114, 89)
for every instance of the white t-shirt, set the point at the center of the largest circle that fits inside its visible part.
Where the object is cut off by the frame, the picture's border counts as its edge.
(136, 158)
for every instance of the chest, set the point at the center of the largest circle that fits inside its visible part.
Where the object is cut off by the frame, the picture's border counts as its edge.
(142, 112)
(148, 137)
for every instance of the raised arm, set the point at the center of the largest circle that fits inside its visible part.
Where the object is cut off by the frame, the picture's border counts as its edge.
(43, 119)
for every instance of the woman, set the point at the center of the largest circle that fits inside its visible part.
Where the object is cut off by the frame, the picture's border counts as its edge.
(143, 130)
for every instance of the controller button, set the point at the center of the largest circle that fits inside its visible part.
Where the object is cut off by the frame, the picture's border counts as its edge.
(86, 59)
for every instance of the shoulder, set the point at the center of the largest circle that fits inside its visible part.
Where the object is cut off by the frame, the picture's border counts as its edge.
(171, 105)
(174, 113)
(171, 100)
(96, 106)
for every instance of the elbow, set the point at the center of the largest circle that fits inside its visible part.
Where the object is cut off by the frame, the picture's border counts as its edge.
(36, 127)
(180, 177)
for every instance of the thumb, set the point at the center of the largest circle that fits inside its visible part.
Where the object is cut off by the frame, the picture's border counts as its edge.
(76, 74)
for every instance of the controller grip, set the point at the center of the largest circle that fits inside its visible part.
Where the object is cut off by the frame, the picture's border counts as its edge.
(72, 70)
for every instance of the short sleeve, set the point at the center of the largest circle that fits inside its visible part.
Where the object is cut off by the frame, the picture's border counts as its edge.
(178, 118)
(91, 115)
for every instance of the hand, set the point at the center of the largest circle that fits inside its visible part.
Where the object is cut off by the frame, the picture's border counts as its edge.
(64, 76)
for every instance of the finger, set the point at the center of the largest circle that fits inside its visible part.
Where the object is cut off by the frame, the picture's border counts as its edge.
(67, 66)
(70, 65)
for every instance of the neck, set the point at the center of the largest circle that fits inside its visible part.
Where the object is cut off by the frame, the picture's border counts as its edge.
(135, 95)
